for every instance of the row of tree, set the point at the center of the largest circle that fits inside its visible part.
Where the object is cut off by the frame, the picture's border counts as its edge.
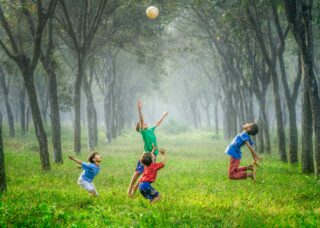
(40, 37)
(223, 63)
(251, 41)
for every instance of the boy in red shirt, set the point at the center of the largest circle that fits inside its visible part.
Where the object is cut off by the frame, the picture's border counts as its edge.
(150, 174)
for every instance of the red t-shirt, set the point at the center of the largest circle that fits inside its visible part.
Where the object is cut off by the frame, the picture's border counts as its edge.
(150, 172)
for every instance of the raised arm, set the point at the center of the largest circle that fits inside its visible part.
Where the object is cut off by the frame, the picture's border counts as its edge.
(253, 153)
(140, 113)
(162, 151)
(161, 119)
(75, 160)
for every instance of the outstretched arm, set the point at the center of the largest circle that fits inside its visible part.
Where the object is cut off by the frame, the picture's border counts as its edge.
(162, 151)
(161, 119)
(253, 153)
(140, 114)
(75, 160)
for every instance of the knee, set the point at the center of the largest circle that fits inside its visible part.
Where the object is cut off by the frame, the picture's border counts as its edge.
(231, 176)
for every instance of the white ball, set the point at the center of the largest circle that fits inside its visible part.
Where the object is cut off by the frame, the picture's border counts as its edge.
(152, 12)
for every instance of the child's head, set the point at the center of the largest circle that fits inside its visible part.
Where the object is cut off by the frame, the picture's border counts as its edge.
(138, 127)
(94, 157)
(146, 158)
(251, 128)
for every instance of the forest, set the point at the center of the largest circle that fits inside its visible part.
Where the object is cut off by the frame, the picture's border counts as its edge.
(71, 76)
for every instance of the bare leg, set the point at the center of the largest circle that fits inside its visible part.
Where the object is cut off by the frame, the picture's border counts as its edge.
(134, 189)
(134, 178)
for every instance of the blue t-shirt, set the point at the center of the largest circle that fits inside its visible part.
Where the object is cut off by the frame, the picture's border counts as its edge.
(90, 170)
(233, 149)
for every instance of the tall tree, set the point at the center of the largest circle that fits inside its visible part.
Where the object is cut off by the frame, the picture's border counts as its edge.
(270, 57)
(3, 183)
(5, 84)
(50, 65)
(81, 23)
(27, 65)
(291, 96)
(307, 161)
(299, 16)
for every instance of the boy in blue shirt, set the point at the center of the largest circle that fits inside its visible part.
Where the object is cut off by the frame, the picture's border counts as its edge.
(233, 149)
(90, 170)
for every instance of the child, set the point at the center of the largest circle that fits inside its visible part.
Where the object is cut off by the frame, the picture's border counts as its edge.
(149, 139)
(90, 170)
(150, 174)
(233, 149)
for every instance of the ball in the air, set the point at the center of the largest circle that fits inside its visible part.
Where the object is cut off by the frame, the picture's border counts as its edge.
(152, 12)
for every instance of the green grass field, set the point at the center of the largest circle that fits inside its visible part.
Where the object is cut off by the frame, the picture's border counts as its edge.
(194, 187)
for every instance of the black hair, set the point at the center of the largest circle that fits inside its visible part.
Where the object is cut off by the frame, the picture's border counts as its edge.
(91, 157)
(146, 159)
(254, 129)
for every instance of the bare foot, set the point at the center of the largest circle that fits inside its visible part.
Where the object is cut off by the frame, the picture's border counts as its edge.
(156, 199)
(256, 163)
(253, 176)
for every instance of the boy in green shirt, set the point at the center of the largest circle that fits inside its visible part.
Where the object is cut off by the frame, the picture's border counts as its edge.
(149, 139)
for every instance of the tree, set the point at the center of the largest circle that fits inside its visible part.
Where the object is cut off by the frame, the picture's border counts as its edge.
(270, 57)
(3, 183)
(5, 88)
(81, 23)
(49, 64)
(27, 65)
(299, 16)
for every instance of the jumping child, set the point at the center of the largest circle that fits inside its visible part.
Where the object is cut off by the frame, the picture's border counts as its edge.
(149, 139)
(90, 170)
(233, 149)
(150, 174)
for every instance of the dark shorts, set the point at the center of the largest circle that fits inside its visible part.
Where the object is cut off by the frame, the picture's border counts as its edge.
(148, 191)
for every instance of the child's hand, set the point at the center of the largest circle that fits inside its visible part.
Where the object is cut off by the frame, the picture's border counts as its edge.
(165, 114)
(162, 151)
(71, 157)
(153, 147)
(139, 104)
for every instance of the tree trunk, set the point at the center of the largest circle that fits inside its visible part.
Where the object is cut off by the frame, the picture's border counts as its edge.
(261, 135)
(279, 115)
(22, 103)
(55, 118)
(315, 103)
(216, 118)
(293, 133)
(27, 119)
(5, 89)
(291, 104)
(91, 116)
(307, 61)
(48, 64)
(77, 104)
(299, 14)
(37, 120)
(10, 117)
(307, 161)
(3, 183)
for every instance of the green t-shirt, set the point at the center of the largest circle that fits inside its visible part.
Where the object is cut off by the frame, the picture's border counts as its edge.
(149, 138)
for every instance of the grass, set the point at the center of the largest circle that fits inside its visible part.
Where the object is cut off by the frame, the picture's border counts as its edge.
(194, 186)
